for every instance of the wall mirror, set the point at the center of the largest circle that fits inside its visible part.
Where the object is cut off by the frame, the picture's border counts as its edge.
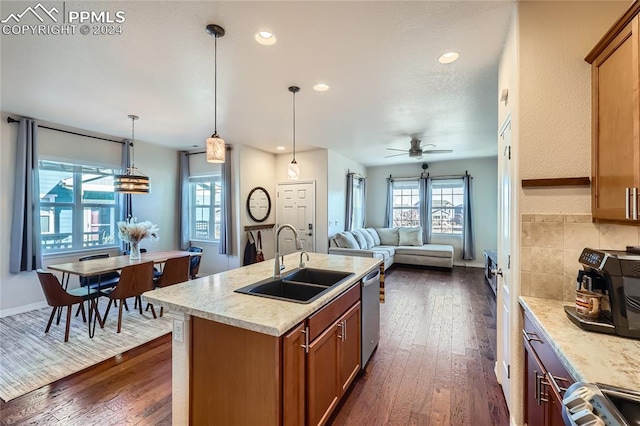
(258, 204)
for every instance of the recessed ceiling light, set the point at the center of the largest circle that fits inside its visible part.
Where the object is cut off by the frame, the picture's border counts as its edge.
(280, 148)
(448, 57)
(321, 87)
(265, 37)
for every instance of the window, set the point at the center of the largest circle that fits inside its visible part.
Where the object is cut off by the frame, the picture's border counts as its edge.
(447, 207)
(205, 195)
(77, 206)
(406, 202)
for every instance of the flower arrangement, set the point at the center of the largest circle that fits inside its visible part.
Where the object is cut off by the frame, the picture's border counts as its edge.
(133, 232)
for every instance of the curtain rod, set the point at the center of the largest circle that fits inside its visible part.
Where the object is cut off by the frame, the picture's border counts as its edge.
(357, 175)
(13, 120)
(466, 173)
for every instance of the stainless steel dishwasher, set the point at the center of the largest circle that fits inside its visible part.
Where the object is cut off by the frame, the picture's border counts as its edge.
(370, 315)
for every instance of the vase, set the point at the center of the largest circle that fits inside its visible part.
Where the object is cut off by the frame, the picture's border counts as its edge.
(134, 254)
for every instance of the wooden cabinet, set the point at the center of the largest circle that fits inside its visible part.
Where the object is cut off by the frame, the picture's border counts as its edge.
(323, 376)
(246, 377)
(546, 379)
(333, 362)
(615, 167)
(350, 347)
(293, 375)
(321, 358)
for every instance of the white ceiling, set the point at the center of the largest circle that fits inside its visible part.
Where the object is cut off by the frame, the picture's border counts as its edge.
(379, 58)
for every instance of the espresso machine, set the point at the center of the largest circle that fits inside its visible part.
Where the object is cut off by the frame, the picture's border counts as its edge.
(616, 275)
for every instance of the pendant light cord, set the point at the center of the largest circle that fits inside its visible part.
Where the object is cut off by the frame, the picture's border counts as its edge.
(133, 158)
(215, 86)
(294, 127)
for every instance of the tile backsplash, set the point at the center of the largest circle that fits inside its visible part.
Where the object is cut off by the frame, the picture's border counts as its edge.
(551, 243)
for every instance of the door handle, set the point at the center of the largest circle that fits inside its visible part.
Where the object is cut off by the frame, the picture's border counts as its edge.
(306, 339)
(497, 272)
(627, 206)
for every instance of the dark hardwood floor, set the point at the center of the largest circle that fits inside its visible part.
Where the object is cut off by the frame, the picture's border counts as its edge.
(434, 366)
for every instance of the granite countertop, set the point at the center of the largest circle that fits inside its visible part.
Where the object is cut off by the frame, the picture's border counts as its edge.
(588, 356)
(213, 297)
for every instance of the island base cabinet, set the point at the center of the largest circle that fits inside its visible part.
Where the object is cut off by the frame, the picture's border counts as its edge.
(235, 376)
(323, 388)
(293, 376)
(350, 348)
(333, 363)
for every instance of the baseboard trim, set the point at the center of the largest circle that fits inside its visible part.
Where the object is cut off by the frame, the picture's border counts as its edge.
(22, 309)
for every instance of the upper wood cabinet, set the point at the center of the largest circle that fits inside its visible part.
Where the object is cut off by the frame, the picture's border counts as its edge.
(615, 160)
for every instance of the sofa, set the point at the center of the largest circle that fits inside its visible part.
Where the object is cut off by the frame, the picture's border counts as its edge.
(392, 245)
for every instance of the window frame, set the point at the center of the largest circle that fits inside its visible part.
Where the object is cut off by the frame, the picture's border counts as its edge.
(451, 184)
(215, 203)
(77, 206)
(414, 187)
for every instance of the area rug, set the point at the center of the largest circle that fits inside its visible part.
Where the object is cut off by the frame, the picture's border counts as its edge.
(30, 359)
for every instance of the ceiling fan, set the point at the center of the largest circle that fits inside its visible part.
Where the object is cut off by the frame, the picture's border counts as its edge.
(416, 150)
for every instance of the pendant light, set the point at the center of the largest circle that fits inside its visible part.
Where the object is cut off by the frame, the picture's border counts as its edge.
(132, 181)
(293, 171)
(215, 144)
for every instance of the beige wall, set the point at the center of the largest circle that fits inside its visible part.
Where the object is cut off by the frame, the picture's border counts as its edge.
(555, 97)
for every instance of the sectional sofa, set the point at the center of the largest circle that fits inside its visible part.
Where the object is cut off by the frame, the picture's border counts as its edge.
(392, 245)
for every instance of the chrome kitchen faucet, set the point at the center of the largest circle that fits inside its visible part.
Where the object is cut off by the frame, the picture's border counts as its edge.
(277, 265)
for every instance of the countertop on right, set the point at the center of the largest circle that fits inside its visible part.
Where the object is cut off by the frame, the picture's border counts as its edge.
(590, 357)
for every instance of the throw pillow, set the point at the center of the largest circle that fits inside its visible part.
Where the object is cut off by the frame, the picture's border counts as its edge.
(374, 235)
(346, 240)
(388, 236)
(368, 238)
(411, 236)
(360, 239)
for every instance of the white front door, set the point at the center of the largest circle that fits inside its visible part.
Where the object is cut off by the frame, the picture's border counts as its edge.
(504, 259)
(296, 205)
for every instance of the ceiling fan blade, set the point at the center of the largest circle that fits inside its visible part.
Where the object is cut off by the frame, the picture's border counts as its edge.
(401, 150)
(437, 151)
(395, 155)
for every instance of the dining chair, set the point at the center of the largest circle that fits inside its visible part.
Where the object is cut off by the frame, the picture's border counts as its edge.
(156, 273)
(134, 280)
(176, 270)
(58, 298)
(194, 266)
(110, 279)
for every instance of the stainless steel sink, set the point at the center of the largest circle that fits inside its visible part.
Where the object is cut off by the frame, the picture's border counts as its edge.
(300, 286)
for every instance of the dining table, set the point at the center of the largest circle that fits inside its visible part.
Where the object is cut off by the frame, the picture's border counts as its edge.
(97, 267)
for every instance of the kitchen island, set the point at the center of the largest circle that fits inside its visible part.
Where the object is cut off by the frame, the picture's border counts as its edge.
(245, 359)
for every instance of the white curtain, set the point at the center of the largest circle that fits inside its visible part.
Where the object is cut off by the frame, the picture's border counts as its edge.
(26, 250)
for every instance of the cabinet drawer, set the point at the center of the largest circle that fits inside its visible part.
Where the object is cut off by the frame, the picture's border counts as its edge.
(543, 349)
(327, 315)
